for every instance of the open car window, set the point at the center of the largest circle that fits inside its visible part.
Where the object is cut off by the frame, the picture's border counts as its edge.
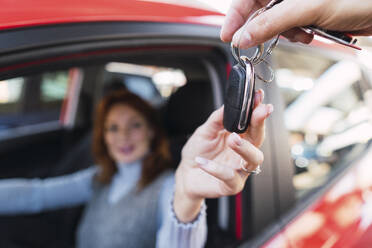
(153, 83)
(10, 100)
(31, 100)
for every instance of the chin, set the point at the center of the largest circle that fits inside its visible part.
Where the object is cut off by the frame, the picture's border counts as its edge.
(128, 159)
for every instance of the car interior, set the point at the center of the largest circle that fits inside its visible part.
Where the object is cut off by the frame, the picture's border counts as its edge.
(47, 111)
(56, 139)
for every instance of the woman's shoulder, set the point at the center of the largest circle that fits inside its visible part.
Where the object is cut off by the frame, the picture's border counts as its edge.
(94, 171)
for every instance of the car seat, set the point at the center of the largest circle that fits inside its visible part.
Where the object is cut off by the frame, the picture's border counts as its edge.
(187, 108)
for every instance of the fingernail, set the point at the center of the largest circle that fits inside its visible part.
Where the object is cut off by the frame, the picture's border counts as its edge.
(246, 41)
(269, 109)
(201, 161)
(248, 38)
(262, 95)
(237, 140)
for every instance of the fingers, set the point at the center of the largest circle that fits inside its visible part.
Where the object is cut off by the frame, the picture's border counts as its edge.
(250, 153)
(258, 97)
(284, 16)
(215, 119)
(256, 130)
(222, 172)
(232, 182)
(235, 18)
(214, 124)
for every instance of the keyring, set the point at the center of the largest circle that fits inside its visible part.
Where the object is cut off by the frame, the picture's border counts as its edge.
(260, 48)
(260, 54)
(255, 59)
(272, 73)
(268, 52)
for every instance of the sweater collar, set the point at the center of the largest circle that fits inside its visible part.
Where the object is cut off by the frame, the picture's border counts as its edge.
(131, 168)
(124, 180)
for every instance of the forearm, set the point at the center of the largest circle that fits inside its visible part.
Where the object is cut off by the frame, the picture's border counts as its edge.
(19, 196)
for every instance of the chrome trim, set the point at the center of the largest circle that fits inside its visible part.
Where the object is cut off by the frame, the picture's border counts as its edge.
(249, 82)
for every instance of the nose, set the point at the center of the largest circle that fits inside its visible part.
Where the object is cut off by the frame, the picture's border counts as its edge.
(124, 133)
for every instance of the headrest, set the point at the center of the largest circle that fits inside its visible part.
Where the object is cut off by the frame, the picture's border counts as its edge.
(188, 108)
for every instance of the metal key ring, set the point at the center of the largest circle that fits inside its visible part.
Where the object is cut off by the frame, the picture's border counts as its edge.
(257, 56)
(268, 52)
(272, 74)
(260, 53)
(256, 59)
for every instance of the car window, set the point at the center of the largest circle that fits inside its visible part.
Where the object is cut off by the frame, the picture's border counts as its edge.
(10, 94)
(33, 99)
(325, 113)
(153, 83)
(140, 86)
(54, 86)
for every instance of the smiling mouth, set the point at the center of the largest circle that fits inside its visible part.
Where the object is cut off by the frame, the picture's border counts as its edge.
(126, 149)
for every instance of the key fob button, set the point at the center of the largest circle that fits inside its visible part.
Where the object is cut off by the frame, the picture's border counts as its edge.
(234, 98)
(235, 87)
(239, 98)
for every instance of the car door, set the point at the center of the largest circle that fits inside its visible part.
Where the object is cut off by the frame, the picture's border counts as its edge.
(81, 61)
(327, 123)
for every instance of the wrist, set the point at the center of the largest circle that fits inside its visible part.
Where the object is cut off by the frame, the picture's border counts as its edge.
(186, 205)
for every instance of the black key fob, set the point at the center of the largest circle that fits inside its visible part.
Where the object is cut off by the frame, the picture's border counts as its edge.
(239, 98)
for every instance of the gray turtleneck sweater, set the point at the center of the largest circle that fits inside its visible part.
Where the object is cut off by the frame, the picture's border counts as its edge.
(116, 215)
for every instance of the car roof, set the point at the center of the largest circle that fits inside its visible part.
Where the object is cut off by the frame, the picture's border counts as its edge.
(25, 13)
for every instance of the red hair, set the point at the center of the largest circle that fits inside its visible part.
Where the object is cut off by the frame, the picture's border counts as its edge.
(156, 161)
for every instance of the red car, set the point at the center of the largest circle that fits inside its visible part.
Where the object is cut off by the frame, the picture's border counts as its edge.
(57, 58)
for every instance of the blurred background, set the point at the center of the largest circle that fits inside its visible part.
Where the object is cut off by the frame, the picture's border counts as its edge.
(325, 100)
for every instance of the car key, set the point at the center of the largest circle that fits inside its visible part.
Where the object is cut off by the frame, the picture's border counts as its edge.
(239, 98)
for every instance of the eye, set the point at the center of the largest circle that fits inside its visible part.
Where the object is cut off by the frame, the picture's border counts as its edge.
(112, 129)
(136, 125)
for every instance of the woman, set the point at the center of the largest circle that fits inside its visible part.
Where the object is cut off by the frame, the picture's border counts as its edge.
(132, 199)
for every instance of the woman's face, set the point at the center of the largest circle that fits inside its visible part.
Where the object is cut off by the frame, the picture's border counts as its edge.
(127, 134)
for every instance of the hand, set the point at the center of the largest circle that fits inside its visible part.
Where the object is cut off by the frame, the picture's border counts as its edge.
(211, 160)
(354, 17)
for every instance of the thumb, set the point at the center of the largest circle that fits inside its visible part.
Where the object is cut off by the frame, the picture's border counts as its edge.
(238, 13)
(213, 125)
(256, 130)
(278, 19)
